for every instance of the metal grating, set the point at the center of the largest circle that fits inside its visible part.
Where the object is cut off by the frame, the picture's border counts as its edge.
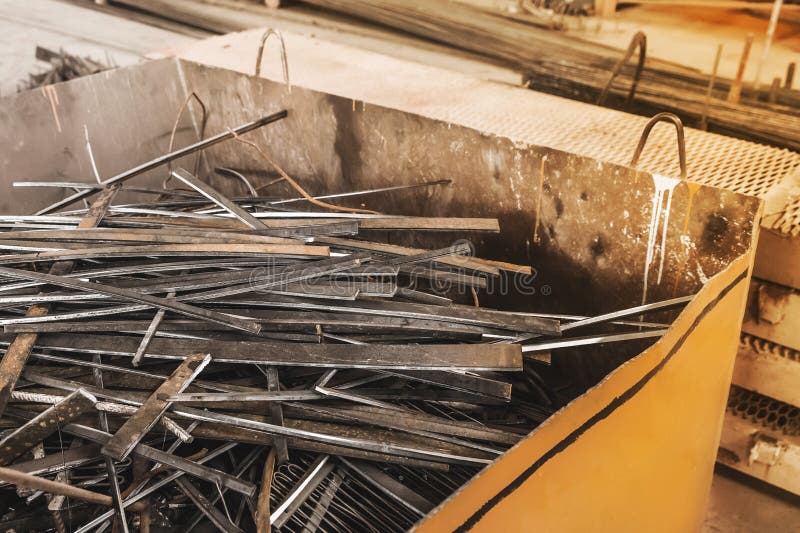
(541, 119)
(608, 135)
(760, 345)
(764, 411)
(338, 503)
(788, 222)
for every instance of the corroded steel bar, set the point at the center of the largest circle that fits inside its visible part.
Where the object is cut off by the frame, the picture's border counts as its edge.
(166, 158)
(20, 348)
(136, 427)
(45, 424)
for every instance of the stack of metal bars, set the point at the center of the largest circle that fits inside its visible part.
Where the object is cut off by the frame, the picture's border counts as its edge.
(348, 386)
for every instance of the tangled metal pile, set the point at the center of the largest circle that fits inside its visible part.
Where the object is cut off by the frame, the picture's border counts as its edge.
(63, 67)
(234, 360)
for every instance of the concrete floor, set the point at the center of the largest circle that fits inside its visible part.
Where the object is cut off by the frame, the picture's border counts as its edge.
(737, 504)
(55, 25)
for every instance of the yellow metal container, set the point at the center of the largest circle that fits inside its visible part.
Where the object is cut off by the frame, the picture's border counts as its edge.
(636, 451)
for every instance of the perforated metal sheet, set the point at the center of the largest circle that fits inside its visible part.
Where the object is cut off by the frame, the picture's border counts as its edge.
(608, 135)
(514, 112)
(764, 411)
(788, 222)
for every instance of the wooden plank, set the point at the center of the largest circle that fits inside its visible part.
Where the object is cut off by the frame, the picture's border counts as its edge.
(136, 427)
(382, 223)
(171, 250)
(276, 416)
(393, 249)
(430, 224)
(154, 236)
(262, 509)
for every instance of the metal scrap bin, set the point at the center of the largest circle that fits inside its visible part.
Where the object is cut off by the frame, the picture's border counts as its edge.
(636, 450)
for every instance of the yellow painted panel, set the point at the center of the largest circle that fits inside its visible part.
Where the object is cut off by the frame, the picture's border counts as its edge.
(636, 452)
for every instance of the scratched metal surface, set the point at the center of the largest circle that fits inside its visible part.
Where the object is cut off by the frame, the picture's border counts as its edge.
(512, 112)
(128, 114)
(583, 224)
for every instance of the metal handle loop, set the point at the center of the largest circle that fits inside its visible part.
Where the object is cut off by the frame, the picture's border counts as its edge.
(640, 40)
(663, 117)
(284, 61)
(229, 172)
(204, 120)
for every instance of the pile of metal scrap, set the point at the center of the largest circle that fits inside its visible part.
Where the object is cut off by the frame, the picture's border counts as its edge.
(63, 67)
(254, 362)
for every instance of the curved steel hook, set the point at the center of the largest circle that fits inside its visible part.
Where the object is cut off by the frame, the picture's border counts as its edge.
(665, 117)
(284, 61)
(203, 121)
(229, 172)
(640, 40)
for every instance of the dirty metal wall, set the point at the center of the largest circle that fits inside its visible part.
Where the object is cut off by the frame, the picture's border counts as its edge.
(127, 112)
(583, 225)
(593, 217)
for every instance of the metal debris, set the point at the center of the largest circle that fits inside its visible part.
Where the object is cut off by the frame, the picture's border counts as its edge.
(356, 386)
(63, 67)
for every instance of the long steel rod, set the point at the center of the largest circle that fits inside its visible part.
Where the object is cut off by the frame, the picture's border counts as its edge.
(20, 348)
(135, 296)
(632, 311)
(590, 340)
(53, 487)
(166, 158)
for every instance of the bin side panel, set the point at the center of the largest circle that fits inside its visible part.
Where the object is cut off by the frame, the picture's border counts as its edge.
(581, 223)
(127, 113)
(636, 452)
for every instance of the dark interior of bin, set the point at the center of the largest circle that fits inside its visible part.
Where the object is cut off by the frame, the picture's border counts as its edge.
(582, 225)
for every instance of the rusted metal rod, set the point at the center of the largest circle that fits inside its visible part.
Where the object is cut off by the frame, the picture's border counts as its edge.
(164, 159)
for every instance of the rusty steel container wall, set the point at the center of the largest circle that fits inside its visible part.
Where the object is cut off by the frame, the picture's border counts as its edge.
(593, 217)
(644, 437)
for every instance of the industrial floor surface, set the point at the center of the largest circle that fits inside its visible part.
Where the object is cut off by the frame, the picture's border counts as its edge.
(737, 504)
